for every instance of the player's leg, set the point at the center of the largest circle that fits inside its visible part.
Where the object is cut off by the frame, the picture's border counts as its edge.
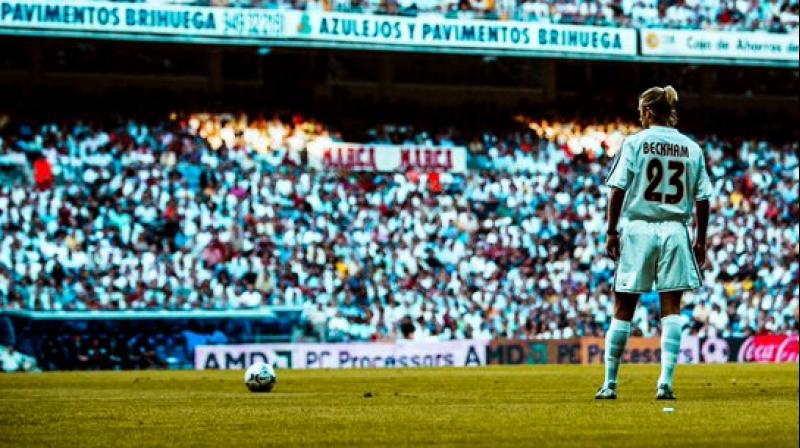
(677, 272)
(618, 333)
(671, 328)
(635, 273)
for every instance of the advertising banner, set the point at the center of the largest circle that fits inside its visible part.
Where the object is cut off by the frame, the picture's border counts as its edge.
(769, 348)
(719, 350)
(191, 22)
(720, 44)
(565, 351)
(432, 31)
(136, 18)
(366, 157)
(462, 353)
(690, 350)
(350, 30)
(640, 350)
(587, 350)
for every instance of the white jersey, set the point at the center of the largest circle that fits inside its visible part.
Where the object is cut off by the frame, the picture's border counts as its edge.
(663, 173)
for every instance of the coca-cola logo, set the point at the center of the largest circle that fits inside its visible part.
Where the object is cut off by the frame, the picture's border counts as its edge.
(773, 348)
(788, 350)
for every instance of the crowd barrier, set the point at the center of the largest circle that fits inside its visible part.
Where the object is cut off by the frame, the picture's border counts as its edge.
(466, 353)
(426, 33)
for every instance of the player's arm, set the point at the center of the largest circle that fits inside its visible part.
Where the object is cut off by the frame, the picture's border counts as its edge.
(615, 200)
(702, 208)
(701, 218)
(619, 178)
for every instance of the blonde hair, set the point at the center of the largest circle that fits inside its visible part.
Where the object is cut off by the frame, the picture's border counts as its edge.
(662, 103)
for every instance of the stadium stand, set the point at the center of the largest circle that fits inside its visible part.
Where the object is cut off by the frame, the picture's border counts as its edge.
(779, 16)
(221, 212)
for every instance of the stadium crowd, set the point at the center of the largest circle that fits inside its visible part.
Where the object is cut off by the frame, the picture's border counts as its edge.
(739, 15)
(221, 212)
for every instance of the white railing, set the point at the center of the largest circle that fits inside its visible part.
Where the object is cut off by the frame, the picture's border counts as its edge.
(267, 312)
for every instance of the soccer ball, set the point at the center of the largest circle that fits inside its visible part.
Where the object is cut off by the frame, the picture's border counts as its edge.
(260, 377)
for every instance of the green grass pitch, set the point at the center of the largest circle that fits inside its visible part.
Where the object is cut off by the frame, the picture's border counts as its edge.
(719, 405)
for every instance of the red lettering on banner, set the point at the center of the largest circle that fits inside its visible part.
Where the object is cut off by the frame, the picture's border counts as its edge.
(326, 157)
(427, 159)
(405, 158)
(359, 157)
(349, 158)
(771, 348)
(789, 350)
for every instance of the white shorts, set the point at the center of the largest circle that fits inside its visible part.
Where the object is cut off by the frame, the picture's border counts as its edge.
(656, 256)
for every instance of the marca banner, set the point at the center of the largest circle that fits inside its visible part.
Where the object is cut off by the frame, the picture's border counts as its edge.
(135, 18)
(720, 44)
(640, 350)
(566, 351)
(365, 157)
(768, 349)
(432, 31)
(462, 353)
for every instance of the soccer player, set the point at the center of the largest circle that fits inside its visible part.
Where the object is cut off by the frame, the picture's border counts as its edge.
(657, 179)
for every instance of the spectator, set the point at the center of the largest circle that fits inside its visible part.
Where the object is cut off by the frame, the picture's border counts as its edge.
(679, 15)
(14, 361)
(42, 173)
(510, 249)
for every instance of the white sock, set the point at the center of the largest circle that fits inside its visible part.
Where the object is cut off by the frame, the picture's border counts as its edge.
(670, 347)
(616, 338)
